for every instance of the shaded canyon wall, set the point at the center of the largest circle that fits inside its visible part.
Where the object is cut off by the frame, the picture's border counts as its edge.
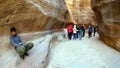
(107, 14)
(31, 15)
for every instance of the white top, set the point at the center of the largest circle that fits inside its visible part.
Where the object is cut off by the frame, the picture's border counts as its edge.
(65, 30)
(75, 29)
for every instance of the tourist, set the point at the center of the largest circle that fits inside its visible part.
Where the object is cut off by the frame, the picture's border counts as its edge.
(83, 28)
(81, 32)
(77, 26)
(95, 30)
(21, 48)
(90, 31)
(75, 32)
(70, 31)
(65, 33)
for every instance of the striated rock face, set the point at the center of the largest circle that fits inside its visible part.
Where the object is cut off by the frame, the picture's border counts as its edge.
(107, 14)
(31, 15)
(80, 11)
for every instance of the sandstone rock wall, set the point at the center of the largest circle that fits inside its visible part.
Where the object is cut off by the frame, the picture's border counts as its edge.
(107, 14)
(31, 15)
(81, 11)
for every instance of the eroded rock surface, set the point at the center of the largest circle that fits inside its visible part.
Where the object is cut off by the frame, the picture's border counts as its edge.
(107, 14)
(80, 11)
(31, 15)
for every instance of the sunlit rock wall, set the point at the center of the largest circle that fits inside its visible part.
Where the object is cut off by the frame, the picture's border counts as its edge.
(107, 14)
(31, 15)
(80, 11)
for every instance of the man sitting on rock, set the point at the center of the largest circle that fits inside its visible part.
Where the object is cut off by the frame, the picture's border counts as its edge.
(21, 48)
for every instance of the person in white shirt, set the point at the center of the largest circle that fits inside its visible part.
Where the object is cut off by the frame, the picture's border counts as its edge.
(75, 32)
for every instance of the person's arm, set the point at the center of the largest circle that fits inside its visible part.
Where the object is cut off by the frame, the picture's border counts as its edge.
(88, 29)
(76, 29)
(20, 40)
(13, 42)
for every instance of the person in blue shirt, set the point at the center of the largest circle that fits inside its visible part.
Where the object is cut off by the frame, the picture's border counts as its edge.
(90, 31)
(21, 48)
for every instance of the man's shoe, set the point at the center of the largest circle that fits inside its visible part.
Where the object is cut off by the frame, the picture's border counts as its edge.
(22, 57)
(26, 54)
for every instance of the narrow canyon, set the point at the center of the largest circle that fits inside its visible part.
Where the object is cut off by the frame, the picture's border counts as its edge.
(43, 22)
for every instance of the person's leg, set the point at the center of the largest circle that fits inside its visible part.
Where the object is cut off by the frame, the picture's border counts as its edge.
(94, 33)
(80, 36)
(28, 46)
(69, 36)
(89, 34)
(74, 35)
(77, 35)
(83, 33)
(21, 51)
(65, 35)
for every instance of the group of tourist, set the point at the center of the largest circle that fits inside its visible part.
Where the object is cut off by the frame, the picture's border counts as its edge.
(78, 31)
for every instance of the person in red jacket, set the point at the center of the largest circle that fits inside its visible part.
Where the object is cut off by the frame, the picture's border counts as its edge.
(70, 31)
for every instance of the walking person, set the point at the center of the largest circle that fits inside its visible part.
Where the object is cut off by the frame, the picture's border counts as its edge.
(81, 32)
(77, 26)
(70, 31)
(95, 30)
(75, 32)
(21, 48)
(83, 28)
(65, 33)
(90, 31)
